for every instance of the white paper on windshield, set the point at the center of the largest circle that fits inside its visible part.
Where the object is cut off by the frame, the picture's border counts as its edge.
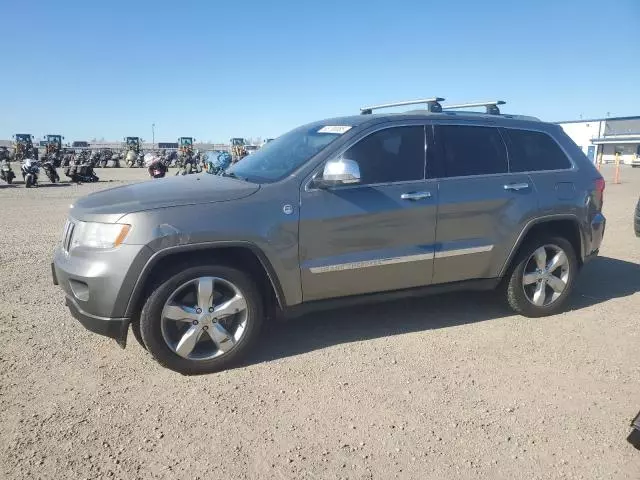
(339, 129)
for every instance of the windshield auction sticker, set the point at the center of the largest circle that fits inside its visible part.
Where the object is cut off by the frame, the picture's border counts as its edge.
(339, 129)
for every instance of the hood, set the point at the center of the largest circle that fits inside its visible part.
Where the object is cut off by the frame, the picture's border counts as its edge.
(109, 205)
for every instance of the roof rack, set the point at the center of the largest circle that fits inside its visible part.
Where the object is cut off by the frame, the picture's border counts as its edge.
(433, 105)
(492, 107)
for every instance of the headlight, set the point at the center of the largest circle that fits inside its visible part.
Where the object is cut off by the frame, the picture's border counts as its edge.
(99, 235)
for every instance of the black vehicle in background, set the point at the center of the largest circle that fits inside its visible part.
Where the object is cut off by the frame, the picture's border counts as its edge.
(636, 219)
(634, 436)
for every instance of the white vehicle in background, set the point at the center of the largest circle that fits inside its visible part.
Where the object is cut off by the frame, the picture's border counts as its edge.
(267, 140)
(251, 149)
(635, 161)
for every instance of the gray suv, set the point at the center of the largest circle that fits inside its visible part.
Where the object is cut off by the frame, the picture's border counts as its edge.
(359, 208)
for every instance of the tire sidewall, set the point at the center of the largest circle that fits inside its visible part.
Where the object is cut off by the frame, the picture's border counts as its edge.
(150, 320)
(516, 290)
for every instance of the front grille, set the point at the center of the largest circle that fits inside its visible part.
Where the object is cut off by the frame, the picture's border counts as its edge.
(67, 235)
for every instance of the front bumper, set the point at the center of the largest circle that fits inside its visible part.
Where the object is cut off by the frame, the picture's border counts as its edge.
(98, 285)
(115, 328)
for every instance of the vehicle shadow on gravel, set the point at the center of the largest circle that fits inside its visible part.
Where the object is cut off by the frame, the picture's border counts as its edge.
(601, 280)
(40, 185)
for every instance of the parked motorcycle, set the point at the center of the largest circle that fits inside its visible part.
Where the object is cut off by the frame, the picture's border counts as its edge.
(6, 172)
(188, 167)
(218, 162)
(94, 158)
(49, 168)
(81, 172)
(114, 161)
(30, 170)
(155, 166)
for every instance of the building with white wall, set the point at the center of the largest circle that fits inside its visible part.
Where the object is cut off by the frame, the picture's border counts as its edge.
(605, 137)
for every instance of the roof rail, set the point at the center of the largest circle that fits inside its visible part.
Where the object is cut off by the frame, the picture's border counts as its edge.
(433, 105)
(492, 107)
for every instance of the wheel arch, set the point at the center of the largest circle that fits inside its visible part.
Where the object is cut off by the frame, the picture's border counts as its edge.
(244, 255)
(565, 225)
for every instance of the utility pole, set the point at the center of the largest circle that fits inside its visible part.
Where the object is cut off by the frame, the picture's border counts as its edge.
(153, 134)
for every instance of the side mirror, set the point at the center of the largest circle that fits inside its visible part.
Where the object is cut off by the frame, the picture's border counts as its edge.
(340, 171)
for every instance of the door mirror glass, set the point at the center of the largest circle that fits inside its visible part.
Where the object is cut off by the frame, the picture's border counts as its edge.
(340, 171)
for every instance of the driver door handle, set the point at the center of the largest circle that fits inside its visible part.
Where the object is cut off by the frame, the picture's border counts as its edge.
(516, 186)
(415, 195)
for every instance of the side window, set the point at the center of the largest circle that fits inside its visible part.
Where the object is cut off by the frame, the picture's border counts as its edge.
(470, 150)
(390, 155)
(531, 151)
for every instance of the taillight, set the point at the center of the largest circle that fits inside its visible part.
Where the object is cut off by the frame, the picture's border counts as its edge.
(600, 184)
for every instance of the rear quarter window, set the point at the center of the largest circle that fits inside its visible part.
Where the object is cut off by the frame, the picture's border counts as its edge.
(531, 151)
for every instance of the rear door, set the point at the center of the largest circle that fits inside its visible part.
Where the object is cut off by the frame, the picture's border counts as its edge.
(480, 202)
(377, 235)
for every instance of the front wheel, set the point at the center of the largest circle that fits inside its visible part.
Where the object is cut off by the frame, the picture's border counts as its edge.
(28, 180)
(202, 319)
(543, 277)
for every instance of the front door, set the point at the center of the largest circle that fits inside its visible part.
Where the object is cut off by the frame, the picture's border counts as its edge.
(377, 235)
(480, 202)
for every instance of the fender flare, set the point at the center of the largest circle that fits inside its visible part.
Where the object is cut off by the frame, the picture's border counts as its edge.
(140, 283)
(537, 221)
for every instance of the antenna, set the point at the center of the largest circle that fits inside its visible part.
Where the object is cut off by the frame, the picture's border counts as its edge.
(433, 105)
(492, 107)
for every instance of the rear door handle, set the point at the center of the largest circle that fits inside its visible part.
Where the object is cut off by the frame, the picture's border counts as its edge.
(415, 195)
(516, 186)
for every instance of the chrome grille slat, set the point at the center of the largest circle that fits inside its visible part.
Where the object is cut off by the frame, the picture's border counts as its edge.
(67, 235)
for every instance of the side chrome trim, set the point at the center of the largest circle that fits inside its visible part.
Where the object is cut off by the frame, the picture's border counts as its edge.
(379, 262)
(463, 251)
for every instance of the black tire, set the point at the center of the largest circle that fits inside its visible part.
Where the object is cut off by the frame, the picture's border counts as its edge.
(137, 333)
(516, 296)
(9, 179)
(150, 319)
(28, 181)
(188, 169)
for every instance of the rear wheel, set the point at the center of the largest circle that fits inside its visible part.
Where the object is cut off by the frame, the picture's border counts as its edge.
(202, 319)
(543, 276)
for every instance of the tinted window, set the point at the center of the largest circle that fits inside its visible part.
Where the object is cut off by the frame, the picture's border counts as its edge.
(531, 151)
(468, 150)
(390, 155)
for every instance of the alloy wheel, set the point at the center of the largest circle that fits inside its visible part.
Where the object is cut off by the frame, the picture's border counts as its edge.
(546, 275)
(204, 318)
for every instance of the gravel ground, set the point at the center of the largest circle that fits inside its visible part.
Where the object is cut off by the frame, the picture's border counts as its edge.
(443, 387)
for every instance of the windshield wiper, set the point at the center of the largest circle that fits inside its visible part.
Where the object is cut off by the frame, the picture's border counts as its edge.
(233, 175)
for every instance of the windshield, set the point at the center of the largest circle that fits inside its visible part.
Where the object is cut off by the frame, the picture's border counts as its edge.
(279, 158)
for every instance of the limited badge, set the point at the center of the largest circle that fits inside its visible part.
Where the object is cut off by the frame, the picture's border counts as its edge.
(287, 209)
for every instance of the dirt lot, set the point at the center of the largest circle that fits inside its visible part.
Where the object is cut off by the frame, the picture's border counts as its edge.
(442, 387)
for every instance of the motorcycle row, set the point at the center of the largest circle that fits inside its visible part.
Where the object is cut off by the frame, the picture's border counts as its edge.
(214, 163)
(79, 165)
(77, 170)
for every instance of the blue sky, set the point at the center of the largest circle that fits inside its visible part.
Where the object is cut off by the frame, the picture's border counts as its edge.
(217, 69)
